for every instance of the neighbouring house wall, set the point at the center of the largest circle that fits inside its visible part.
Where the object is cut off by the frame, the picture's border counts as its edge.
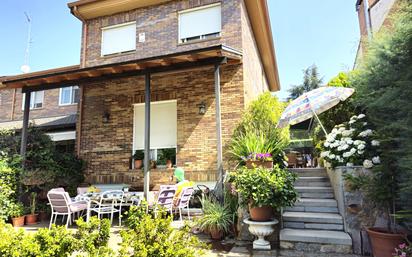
(50, 107)
(160, 25)
(255, 81)
(6, 103)
(379, 13)
(107, 147)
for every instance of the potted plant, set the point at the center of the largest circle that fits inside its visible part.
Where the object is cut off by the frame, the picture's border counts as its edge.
(31, 218)
(216, 219)
(264, 190)
(44, 211)
(259, 160)
(169, 155)
(16, 213)
(138, 157)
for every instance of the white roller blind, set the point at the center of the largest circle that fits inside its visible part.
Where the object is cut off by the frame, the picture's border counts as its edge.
(163, 125)
(120, 38)
(200, 21)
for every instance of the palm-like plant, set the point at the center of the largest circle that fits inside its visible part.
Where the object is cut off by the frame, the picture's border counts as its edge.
(215, 216)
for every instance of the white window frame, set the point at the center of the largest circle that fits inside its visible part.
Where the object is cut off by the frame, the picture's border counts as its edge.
(153, 150)
(32, 98)
(72, 102)
(113, 27)
(201, 36)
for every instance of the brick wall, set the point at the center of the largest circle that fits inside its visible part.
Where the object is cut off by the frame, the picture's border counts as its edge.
(255, 82)
(107, 147)
(160, 25)
(50, 106)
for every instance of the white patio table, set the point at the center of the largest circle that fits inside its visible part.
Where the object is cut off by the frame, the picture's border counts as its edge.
(89, 197)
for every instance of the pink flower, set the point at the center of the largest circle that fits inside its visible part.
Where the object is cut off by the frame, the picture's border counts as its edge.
(401, 246)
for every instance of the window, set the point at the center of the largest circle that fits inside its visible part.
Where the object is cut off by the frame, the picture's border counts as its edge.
(200, 23)
(69, 95)
(163, 130)
(36, 100)
(119, 38)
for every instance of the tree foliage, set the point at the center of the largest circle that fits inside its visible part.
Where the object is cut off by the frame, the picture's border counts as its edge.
(384, 90)
(311, 80)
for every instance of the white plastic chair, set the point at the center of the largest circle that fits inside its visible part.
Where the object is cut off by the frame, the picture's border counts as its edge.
(61, 204)
(183, 201)
(110, 202)
(165, 198)
(82, 190)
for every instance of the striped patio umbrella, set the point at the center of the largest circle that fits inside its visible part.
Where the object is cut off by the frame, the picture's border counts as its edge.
(313, 103)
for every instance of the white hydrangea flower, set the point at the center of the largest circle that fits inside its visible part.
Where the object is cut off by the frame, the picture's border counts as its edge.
(332, 156)
(361, 147)
(347, 154)
(324, 154)
(349, 141)
(361, 116)
(367, 164)
(341, 129)
(376, 160)
(326, 144)
(357, 142)
(349, 164)
(360, 152)
(334, 130)
(365, 123)
(352, 121)
(347, 133)
(366, 133)
(375, 143)
(354, 117)
(353, 150)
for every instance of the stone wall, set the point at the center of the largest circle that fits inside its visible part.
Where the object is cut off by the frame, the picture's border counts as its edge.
(357, 213)
(107, 147)
(160, 25)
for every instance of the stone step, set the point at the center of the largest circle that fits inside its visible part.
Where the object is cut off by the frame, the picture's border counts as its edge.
(317, 195)
(313, 189)
(315, 236)
(312, 209)
(322, 226)
(312, 183)
(312, 217)
(311, 173)
(314, 202)
(313, 179)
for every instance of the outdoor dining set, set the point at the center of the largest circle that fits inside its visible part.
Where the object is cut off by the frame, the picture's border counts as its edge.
(111, 202)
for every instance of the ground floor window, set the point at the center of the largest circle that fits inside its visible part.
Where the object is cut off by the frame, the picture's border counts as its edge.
(163, 132)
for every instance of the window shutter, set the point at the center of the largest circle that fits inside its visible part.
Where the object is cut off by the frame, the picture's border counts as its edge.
(200, 22)
(163, 125)
(120, 38)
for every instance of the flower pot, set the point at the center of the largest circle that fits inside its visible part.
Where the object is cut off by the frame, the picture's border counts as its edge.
(216, 234)
(43, 216)
(169, 164)
(138, 164)
(263, 164)
(18, 221)
(31, 219)
(383, 243)
(264, 213)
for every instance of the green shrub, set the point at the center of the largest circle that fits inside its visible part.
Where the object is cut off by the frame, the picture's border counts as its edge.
(257, 131)
(264, 187)
(154, 237)
(215, 216)
(93, 236)
(8, 188)
(16, 210)
(55, 242)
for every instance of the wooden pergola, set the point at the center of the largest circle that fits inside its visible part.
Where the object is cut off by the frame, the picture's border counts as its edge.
(75, 75)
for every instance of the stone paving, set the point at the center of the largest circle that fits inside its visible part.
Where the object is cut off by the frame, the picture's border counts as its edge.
(225, 248)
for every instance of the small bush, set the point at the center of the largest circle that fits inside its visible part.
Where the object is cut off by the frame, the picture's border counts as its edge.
(147, 236)
(93, 236)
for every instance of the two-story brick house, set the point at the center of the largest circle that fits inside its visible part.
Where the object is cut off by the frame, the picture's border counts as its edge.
(54, 111)
(197, 62)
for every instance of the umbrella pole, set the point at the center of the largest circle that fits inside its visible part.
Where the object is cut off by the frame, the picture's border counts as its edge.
(320, 123)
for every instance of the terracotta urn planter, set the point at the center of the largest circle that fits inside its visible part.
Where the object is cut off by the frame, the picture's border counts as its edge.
(31, 219)
(138, 164)
(383, 243)
(169, 164)
(264, 164)
(216, 234)
(18, 221)
(264, 213)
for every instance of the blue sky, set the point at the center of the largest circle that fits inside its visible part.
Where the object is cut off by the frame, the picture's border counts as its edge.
(306, 32)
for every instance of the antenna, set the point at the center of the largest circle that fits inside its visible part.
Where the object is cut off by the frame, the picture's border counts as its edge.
(25, 68)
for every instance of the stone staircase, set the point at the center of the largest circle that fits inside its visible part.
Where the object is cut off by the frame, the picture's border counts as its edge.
(314, 223)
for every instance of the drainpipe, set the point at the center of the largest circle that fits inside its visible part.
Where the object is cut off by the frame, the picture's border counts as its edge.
(367, 18)
(13, 102)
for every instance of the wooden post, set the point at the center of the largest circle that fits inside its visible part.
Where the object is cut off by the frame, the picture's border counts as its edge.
(147, 137)
(25, 127)
(218, 123)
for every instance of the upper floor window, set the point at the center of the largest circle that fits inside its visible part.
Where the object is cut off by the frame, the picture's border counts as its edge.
(200, 23)
(69, 95)
(119, 38)
(36, 100)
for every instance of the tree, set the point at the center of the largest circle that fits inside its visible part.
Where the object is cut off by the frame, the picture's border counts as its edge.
(311, 81)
